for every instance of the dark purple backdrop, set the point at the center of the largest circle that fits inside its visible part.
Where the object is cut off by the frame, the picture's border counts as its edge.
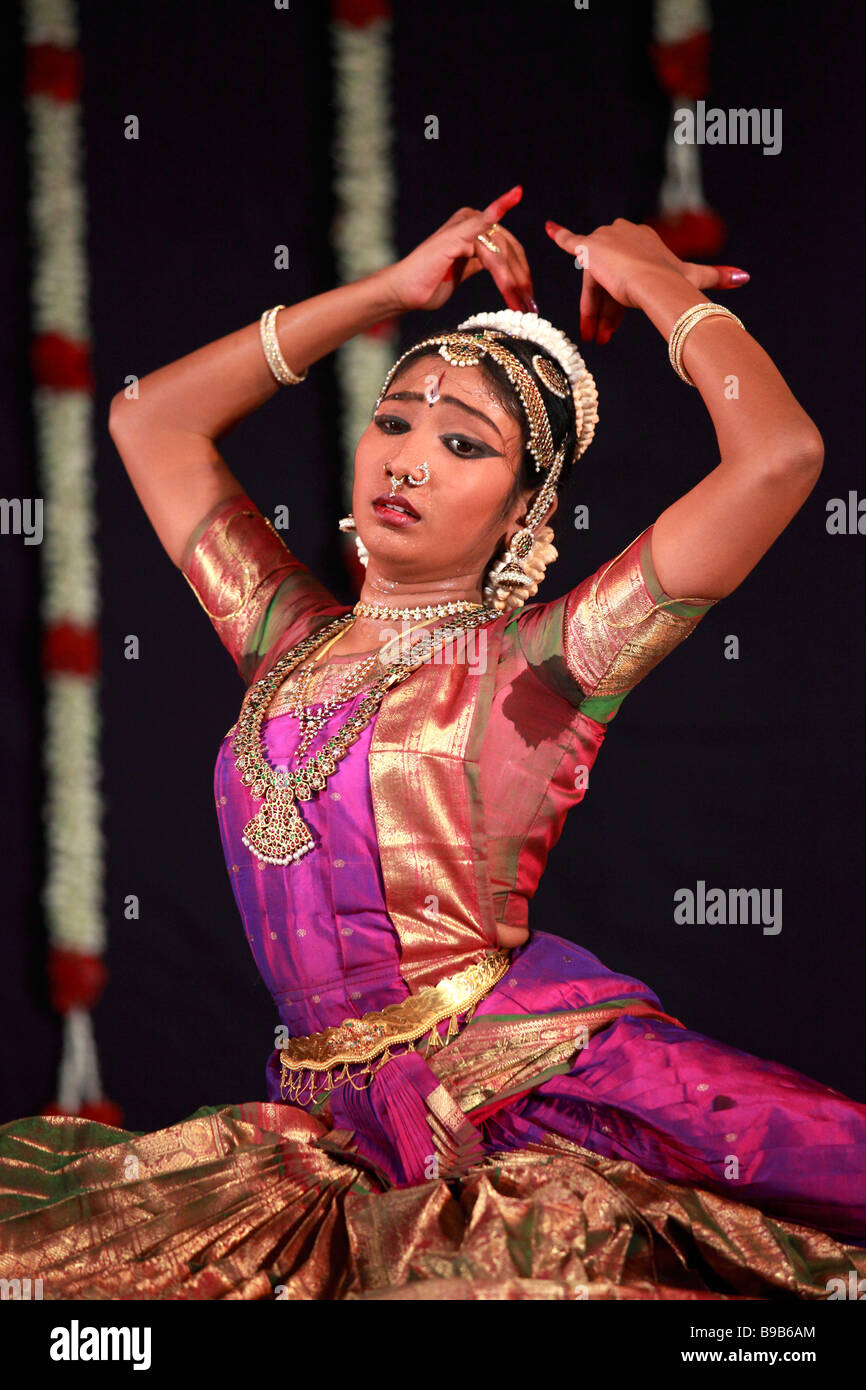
(746, 773)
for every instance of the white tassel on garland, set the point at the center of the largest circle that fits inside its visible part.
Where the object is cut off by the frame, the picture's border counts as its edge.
(79, 1080)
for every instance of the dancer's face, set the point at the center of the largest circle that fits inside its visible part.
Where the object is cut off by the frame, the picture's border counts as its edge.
(451, 418)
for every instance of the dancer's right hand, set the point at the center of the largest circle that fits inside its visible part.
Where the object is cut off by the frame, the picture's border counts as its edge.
(428, 276)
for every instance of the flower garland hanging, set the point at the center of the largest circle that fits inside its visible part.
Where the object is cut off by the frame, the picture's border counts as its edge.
(362, 233)
(63, 418)
(680, 53)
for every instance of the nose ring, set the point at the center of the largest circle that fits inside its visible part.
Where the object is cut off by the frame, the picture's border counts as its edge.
(407, 478)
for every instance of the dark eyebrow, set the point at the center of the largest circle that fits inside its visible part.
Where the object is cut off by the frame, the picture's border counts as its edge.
(449, 400)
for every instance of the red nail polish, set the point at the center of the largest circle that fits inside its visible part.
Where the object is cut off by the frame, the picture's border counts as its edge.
(551, 226)
(740, 277)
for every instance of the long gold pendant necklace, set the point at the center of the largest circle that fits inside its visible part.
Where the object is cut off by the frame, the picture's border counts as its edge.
(278, 834)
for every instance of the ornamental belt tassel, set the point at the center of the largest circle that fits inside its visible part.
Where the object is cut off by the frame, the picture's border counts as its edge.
(433, 1041)
(386, 1057)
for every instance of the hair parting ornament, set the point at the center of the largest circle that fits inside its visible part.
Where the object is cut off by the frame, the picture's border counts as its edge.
(517, 575)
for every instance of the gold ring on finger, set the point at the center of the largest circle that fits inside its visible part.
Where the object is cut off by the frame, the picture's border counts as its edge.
(484, 238)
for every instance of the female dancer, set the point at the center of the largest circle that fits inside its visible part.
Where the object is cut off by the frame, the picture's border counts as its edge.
(453, 1097)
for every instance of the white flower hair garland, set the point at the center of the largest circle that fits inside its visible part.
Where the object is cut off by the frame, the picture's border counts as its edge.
(542, 332)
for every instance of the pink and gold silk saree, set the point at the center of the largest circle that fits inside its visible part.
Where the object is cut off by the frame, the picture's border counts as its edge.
(560, 1135)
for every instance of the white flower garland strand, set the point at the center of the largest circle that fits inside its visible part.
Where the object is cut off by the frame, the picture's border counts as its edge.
(363, 231)
(682, 187)
(675, 20)
(73, 888)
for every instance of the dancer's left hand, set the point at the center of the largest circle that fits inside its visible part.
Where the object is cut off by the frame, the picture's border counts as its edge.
(617, 260)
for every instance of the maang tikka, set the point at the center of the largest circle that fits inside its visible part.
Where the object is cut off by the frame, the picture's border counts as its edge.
(517, 575)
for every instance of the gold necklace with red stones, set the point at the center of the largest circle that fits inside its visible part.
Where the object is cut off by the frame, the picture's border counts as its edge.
(277, 834)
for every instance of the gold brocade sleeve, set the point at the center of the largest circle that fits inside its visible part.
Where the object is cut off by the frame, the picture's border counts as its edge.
(253, 589)
(598, 641)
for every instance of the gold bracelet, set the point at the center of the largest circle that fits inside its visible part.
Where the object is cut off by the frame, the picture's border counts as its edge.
(271, 347)
(683, 327)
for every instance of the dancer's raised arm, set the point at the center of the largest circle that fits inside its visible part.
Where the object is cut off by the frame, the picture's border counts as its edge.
(166, 436)
(771, 452)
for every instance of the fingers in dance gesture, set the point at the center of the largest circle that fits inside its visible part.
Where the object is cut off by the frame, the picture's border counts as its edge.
(770, 451)
(616, 260)
(468, 242)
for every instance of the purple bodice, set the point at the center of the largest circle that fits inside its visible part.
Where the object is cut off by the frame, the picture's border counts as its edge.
(318, 928)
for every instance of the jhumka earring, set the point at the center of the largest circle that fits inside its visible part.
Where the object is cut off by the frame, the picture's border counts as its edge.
(347, 523)
(517, 576)
(511, 581)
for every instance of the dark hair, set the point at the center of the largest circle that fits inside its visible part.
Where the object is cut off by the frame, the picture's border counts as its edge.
(560, 412)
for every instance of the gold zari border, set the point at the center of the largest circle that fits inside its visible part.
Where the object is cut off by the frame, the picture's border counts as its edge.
(362, 1039)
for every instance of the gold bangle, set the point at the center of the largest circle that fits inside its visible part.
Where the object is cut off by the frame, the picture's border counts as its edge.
(683, 327)
(271, 348)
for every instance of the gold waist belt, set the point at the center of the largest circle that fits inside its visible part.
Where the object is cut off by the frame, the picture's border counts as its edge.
(360, 1040)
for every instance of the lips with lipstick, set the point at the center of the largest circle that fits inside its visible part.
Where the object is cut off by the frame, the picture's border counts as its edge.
(397, 510)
